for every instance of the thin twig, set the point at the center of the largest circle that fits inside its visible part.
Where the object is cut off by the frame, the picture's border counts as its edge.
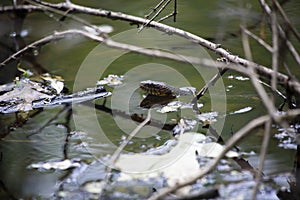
(259, 40)
(173, 14)
(117, 153)
(67, 14)
(210, 83)
(156, 14)
(115, 156)
(275, 52)
(286, 19)
(262, 156)
(264, 97)
(175, 10)
(166, 17)
(282, 34)
(268, 125)
(155, 8)
(246, 45)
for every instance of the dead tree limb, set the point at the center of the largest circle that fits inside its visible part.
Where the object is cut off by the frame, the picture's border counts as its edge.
(261, 70)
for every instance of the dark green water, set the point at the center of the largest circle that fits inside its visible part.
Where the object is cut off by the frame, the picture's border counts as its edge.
(69, 58)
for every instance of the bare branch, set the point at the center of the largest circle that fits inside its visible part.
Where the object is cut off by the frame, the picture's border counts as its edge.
(156, 14)
(175, 10)
(259, 40)
(286, 19)
(275, 52)
(262, 156)
(246, 45)
(295, 85)
(290, 46)
(166, 17)
(154, 9)
(261, 70)
(268, 124)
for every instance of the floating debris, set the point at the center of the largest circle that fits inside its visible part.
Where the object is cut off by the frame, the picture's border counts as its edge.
(60, 165)
(111, 80)
(171, 107)
(163, 149)
(183, 126)
(240, 111)
(22, 95)
(244, 190)
(287, 139)
(208, 118)
(239, 78)
(55, 82)
(26, 94)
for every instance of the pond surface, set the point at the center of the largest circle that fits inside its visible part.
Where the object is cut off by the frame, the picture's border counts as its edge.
(84, 135)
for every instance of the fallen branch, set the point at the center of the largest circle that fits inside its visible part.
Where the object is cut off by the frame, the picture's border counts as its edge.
(261, 70)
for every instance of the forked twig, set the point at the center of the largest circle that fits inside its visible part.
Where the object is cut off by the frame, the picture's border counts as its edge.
(155, 15)
(173, 14)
